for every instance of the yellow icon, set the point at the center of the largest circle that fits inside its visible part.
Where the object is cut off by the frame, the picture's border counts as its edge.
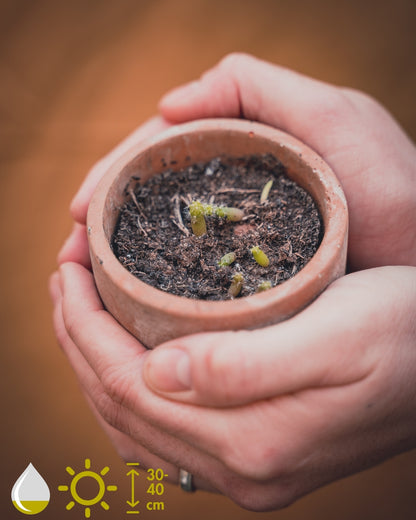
(30, 493)
(132, 473)
(87, 474)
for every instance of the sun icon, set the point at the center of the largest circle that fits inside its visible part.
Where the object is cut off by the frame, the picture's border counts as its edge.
(87, 474)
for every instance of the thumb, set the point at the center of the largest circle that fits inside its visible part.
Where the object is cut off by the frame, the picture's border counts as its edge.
(329, 343)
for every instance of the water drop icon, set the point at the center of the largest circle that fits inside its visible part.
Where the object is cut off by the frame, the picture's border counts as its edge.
(30, 493)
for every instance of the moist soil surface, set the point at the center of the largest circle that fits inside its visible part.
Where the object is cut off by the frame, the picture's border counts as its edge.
(154, 241)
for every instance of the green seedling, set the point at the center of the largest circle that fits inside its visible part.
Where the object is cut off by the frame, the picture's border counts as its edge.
(260, 256)
(227, 259)
(199, 211)
(266, 190)
(264, 286)
(233, 214)
(198, 224)
(237, 283)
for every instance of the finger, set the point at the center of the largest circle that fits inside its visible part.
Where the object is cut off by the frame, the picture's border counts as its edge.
(330, 119)
(247, 462)
(80, 202)
(88, 325)
(92, 388)
(130, 450)
(335, 122)
(107, 360)
(133, 436)
(200, 436)
(241, 85)
(329, 343)
(75, 248)
(89, 382)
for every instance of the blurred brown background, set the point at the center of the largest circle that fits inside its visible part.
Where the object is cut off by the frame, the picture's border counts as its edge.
(75, 78)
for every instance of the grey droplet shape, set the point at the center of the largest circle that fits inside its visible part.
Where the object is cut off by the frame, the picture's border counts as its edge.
(30, 493)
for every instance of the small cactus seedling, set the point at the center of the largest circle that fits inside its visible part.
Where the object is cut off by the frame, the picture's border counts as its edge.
(264, 286)
(198, 224)
(260, 256)
(227, 259)
(266, 190)
(233, 214)
(237, 283)
(199, 211)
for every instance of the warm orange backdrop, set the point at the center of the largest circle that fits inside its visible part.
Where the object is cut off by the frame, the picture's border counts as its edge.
(77, 76)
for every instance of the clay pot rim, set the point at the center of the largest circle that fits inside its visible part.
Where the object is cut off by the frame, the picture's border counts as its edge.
(335, 224)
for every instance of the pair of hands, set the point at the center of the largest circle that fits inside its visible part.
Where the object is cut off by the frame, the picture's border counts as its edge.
(266, 416)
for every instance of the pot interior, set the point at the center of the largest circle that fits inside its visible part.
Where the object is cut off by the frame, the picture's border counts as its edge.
(179, 151)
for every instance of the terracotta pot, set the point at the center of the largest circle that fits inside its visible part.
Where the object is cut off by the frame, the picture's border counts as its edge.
(154, 316)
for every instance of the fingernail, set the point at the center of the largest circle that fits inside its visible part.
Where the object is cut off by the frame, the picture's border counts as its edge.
(168, 370)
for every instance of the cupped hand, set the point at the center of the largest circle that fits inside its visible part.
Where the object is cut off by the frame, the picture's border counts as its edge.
(371, 155)
(264, 416)
(267, 416)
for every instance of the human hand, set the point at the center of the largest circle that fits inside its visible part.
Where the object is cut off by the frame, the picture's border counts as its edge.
(281, 411)
(75, 248)
(266, 452)
(371, 155)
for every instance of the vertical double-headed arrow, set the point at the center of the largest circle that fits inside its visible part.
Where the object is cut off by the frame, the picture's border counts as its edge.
(132, 474)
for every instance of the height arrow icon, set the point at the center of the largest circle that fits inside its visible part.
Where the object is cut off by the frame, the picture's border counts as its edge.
(132, 473)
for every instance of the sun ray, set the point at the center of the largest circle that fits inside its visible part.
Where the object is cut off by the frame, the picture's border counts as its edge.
(104, 505)
(63, 488)
(87, 463)
(69, 505)
(104, 471)
(70, 471)
(111, 488)
(87, 512)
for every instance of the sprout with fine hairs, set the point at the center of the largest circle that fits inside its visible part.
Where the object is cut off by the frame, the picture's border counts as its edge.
(260, 256)
(198, 224)
(227, 259)
(264, 286)
(199, 211)
(266, 190)
(236, 285)
(233, 214)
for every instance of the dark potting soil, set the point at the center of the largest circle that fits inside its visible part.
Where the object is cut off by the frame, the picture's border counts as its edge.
(154, 241)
